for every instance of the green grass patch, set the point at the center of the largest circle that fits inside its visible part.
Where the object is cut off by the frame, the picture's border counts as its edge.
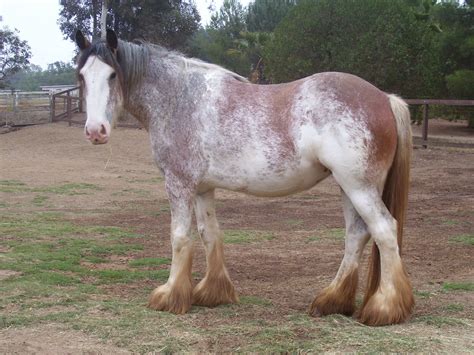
(127, 276)
(149, 262)
(294, 222)
(245, 236)
(458, 286)
(422, 294)
(70, 189)
(254, 300)
(467, 239)
(40, 200)
(449, 222)
(454, 307)
(337, 234)
(440, 321)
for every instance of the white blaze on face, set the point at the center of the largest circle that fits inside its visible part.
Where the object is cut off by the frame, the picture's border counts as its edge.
(97, 76)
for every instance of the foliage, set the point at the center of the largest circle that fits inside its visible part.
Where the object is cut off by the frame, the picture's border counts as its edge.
(265, 15)
(31, 78)
(457, 49)
(380, 41)
(216, 43)
(14, 54)
(167, 22)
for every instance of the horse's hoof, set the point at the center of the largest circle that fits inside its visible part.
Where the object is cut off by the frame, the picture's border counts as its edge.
(176, 300)
(214, 291)
(384, 310)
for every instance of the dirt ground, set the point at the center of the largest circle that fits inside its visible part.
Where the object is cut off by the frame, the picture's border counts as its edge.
(285, 270)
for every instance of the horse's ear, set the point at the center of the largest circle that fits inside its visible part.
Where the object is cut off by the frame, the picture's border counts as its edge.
(81, 41)
(112, 40)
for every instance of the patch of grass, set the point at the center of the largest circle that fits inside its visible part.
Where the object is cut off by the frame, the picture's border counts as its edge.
(454, 307)
(39, 200)
(294, 222)
(467, 239)
(458, 286)
(331, 233)
(11, 183)
(439, 321)
(254, 300)
(70, 189)
(149, 262)
(449, 222)
(422, 294)
(138, 192)
(127, 276)
(244, 236)
(336, 233)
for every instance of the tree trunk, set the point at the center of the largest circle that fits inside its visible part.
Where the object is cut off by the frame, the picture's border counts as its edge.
(94, 19)
(103, 19)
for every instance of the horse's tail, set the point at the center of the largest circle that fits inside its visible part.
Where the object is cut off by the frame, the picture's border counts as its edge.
(395, 193)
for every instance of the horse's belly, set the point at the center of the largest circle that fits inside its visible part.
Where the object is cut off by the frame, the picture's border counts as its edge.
(269, 182)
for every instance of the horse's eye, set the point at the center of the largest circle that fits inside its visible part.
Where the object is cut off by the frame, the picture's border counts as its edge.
(112, 76)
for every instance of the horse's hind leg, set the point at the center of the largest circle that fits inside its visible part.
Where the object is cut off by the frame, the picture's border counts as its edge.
(216, 287)
(392, 301)
(175, 295)
(339, 296)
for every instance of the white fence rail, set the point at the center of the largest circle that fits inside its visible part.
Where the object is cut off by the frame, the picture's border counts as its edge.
(24, 108)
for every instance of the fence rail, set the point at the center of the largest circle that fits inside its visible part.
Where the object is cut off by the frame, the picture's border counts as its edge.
(23, 108)
(442, 102)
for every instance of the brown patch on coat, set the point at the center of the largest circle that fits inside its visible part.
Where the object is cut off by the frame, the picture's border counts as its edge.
(276, 101)
(373, 105)
(216, 288)
(177, 297)
(337, 299)
(396, 308)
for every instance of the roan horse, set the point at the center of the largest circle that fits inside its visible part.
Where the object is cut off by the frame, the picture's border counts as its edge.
(210, 128)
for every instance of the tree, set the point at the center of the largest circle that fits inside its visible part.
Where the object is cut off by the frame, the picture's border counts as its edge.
(33, 77)
(167, 22)
(217, 43)
(15, 54)
(380, 41)
(265, 15)
(457, 49)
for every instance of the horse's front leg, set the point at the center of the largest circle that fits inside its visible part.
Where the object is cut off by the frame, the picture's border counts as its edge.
(175, 295)
(215, 288)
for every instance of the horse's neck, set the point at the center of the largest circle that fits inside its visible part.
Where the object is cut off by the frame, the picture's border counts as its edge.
(155, 95)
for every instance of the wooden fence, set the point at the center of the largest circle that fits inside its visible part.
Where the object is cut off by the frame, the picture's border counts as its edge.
(65, 103)
(24, 108)
(426, 103)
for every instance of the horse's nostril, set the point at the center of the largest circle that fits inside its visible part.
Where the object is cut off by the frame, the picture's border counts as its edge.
(103, 130)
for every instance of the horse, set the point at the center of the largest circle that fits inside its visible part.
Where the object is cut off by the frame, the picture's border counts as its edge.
(211, 129)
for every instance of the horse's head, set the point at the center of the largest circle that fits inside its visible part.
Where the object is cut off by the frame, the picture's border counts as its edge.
(100, 76)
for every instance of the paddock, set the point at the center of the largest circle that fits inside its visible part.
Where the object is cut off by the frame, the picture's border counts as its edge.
(85, 238)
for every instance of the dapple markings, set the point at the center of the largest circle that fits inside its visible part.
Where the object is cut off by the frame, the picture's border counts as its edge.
(209, 129)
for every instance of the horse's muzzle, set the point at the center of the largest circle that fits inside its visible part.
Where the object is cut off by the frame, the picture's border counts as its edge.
(97, 134)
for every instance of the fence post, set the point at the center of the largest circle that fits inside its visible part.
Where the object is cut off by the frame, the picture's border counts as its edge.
(425, 126)
(68, 107)
(80, 99)
(51, 106)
